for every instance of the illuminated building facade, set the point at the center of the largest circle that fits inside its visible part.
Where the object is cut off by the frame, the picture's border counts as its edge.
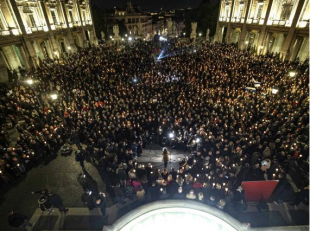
(31, 30)
(138, 23)
(277, 26)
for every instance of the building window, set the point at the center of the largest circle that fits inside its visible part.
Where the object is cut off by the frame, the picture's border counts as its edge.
(241, 8)
(286, 10)
(71, 16)
(259, 11)
(84, 16)
(3, 24)
(32, 21)
(54, 17)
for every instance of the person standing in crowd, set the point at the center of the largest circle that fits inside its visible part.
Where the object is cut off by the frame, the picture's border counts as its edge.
(101, 203)
(165, 155)
(19, 220)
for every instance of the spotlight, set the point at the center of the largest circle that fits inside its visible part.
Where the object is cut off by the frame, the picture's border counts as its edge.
(54, 96)
(274, 91)
(29, 81)
(292, 74)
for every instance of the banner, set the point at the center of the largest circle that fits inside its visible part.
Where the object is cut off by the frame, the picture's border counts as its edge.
(255, 190)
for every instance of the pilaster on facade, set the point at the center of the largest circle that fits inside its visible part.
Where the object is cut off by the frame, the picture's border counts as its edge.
(263, 26)
(38, 29)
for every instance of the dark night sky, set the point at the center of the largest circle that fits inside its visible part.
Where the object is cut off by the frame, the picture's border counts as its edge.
(150, 4)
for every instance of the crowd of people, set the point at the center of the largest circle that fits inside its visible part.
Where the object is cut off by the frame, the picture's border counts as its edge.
(241, 116)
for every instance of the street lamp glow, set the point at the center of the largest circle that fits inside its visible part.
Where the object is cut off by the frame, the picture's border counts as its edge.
(29, 81)
(292, 74)
(54, 96)
(171, 135)
(274, 91)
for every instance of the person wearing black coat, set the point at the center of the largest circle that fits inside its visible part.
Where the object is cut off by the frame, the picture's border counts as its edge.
(18, 220)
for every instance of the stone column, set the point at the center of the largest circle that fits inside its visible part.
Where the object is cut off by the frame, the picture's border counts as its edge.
(229, 31)
(296, 47)
(83, 29)
(289, 39)
(303, 53)
(264, 27)
(69, 35)
(54, 46)
(28, 46)
(244, 31)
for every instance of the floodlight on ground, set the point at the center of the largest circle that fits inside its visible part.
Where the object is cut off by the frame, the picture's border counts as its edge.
(274, 91)
(54, 96)
(29, 81)
(292, 74)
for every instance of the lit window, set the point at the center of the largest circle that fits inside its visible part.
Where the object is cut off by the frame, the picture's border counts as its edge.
(32, 21)
(54, 17)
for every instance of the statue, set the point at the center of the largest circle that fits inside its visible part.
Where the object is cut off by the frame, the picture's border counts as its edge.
(102, 36)
(139, 28)
(169, 27)
(207, 35)
(193, 32)
(116, 31)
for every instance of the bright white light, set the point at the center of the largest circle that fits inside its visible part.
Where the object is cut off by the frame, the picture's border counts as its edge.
(246, 42)
(135, 80)
(161, 38)
(110, 36)
(69, 48)
(261, 47)
(199, 34)
(292, 74)
(195, 51)
(54, 96)
(171, 135)
(126, 35)
(197, 140)
(29, 81)
(129, 38)
(274, 91)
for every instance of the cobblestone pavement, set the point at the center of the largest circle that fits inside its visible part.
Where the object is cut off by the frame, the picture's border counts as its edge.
(60, 176)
